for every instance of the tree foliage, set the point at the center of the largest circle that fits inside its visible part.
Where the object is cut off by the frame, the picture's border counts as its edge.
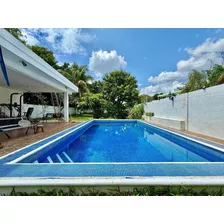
(214, 74)
(95, 102)
(220, 79)
(155, 96)
(77, 75)
(46, 55)
(120, 89)
(16, 33)
(137, 111)
(144, 98)
(196, 80)
(96, 87)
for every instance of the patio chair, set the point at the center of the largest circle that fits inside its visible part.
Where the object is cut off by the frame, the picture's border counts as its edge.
(27, 115)
(23, 123)
(27, 124)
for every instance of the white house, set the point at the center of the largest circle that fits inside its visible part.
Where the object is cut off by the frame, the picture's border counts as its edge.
(27, 72)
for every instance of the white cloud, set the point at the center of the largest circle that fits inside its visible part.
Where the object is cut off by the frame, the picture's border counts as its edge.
(179, 49)
(102, 62)
(162, 88)
(199, 63)
(165, 77)
(200, 58)
(29, 38)
(176, 85)
(67, 41)
(197, 35)
(150, 90)
(208, 46)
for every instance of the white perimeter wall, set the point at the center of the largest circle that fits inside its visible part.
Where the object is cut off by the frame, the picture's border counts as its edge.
(202, 110)
(38, 109)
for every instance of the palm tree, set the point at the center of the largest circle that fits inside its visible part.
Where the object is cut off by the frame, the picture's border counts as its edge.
(220, 80)
(77, 75)
(196, 80)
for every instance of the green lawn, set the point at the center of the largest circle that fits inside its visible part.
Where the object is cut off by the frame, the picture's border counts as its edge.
(81, 117)
(77, 118)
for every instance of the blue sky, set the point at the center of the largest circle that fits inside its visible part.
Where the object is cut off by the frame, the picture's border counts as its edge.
(160, 59)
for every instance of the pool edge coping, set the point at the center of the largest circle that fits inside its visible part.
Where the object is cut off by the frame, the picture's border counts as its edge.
(114, 181)
(191, 138)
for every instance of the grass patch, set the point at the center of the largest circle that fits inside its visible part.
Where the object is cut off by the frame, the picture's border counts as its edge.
(81, 117)
(147, 191)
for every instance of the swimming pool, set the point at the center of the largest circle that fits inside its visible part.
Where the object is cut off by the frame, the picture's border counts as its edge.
(115, 148)
(121, 141)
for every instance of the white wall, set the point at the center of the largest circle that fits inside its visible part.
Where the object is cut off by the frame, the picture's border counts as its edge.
(202, 110)
(38, 110)
(206, 111)
(166, 108)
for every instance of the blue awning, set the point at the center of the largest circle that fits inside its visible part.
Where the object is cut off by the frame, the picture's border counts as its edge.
(3, 68)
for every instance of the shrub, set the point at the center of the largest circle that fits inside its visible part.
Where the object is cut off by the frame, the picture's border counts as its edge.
(149, 114)
(137, 111)
(116, 191)
(94, 102)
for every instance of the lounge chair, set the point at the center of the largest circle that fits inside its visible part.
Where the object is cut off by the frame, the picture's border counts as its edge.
(23, 123)
(28, 125)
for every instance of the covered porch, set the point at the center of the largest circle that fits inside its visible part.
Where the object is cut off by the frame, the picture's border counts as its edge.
(27, 72)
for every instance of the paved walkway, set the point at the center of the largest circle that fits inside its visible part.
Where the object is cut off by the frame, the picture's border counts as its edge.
(49, 129)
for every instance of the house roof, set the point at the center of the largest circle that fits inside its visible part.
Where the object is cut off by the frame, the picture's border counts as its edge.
(27, 71)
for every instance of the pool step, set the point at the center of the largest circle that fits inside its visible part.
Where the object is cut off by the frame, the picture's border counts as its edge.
(68, 158)
(59, 158)
(49, 159)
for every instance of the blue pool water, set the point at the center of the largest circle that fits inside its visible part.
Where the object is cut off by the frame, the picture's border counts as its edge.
(126, 142)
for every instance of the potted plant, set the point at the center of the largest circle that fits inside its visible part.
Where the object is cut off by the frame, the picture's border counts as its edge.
(149, 115)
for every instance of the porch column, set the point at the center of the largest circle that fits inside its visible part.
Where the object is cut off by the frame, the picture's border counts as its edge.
(66, 106)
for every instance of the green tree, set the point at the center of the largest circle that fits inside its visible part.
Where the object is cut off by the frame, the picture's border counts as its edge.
(155, 96)
(46, 55)
(96, 87)
(220, 79)
(137, 111)
(120, 90)
(214, 74)
(77, 75)
(16, 33)
(144, 98)
(95, 102)
(196, 80)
